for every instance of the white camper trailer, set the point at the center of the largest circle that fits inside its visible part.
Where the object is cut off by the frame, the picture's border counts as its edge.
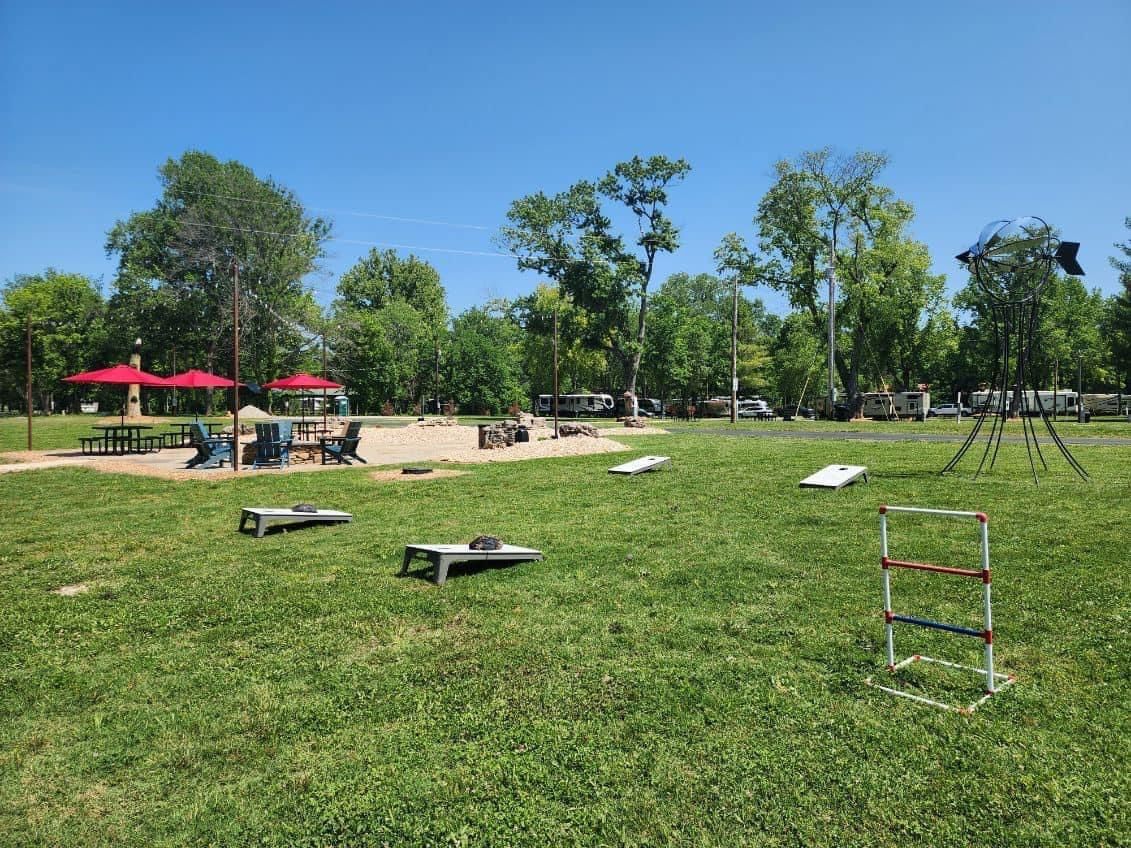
(577, 405)
(1061, 402)
(894, 406)
(1108, 404)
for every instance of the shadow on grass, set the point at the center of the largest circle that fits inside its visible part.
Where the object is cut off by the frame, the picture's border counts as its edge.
(278, 529)
(426, 571)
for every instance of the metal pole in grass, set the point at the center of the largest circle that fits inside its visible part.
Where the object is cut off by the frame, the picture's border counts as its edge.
(734, 356)
(832, 335)
(555, 368)
(235, 365)
(29, 381)
(1079, 388)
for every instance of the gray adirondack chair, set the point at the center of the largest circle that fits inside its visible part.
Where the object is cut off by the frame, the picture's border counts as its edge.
(272, 444)
(343, 448)
(210, 451)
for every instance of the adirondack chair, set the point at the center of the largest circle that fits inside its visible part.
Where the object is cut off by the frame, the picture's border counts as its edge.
(342, 448)
(210, 452)
(272, 445)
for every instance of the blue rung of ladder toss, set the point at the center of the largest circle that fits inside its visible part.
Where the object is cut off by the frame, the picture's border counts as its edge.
(938, 625)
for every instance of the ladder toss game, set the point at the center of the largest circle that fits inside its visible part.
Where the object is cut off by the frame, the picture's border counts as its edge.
(994, 682)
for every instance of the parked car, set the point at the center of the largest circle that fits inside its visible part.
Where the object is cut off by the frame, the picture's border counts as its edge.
(754, 409)
(796, 412)
(947, 409)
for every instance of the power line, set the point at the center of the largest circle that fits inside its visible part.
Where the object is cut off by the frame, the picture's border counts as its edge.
(399, 218)
(356, 241)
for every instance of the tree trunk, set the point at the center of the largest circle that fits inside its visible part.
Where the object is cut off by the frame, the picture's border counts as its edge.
(133, 406)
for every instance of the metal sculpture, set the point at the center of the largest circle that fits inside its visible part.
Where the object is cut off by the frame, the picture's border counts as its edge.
(1013, 262)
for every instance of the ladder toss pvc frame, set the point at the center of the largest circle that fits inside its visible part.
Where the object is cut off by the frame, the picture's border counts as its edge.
(994, 682)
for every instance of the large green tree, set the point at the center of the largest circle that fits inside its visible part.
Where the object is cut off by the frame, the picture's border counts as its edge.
(392, 320)
(827, 210)
(688, 348)
(486, 375)
(580, 368)
(571, 238)
(797, 358)
(1117, 322)
(178, 263)
(65, 313)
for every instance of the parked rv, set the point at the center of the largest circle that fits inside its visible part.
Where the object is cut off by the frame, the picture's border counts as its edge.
(895, 406)
(577, 405)
(1108, 404)
(1060, 402)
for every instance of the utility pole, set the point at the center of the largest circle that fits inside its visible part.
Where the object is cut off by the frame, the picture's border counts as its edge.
(734, 357)
(437, 375)
(29, 381)
(324, 377)
(236, 366)
(831, 398)
(1080, 388)
(1055, 384)
(555, 369)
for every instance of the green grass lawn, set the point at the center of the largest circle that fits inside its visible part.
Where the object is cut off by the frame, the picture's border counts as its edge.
(686, 667)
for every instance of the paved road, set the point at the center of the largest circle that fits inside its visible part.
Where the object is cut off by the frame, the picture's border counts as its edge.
(864, 436)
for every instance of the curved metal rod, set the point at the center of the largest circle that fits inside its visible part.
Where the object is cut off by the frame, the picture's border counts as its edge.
(1035, 389)
(1004, 405)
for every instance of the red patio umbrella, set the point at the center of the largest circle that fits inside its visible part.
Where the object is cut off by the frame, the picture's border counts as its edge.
(118, 375)
(304, 381)
(194, 378)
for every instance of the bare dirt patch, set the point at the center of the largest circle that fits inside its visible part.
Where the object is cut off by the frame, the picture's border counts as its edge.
(71, 590)
(14, 457)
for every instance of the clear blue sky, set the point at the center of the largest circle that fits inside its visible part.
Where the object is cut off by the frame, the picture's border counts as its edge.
(449, 111)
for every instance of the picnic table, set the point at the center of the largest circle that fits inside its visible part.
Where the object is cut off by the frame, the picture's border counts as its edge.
(183, 437)
(309, 430)
(120, 438)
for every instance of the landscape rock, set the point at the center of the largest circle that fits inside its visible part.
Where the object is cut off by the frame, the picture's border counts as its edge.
(578, 430)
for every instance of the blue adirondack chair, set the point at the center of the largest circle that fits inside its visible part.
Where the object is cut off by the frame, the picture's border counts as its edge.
(272, 444)
(210, 452)
(343, 448)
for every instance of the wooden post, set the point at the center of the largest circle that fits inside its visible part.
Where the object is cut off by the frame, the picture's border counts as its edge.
(734, 357)
(29, 382)
(236, 366)
(555, 369)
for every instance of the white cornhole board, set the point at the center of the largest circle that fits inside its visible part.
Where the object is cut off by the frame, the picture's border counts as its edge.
(645, 463)
(835, 477)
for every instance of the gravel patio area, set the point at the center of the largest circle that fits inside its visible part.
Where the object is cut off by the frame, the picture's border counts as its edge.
(379, 446)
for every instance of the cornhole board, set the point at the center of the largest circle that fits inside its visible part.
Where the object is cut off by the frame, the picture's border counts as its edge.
(264, 514)
(441, 556)
(835, 477)
(645, 463)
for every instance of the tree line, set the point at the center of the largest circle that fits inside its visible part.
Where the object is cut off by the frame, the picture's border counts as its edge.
(390, 337)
